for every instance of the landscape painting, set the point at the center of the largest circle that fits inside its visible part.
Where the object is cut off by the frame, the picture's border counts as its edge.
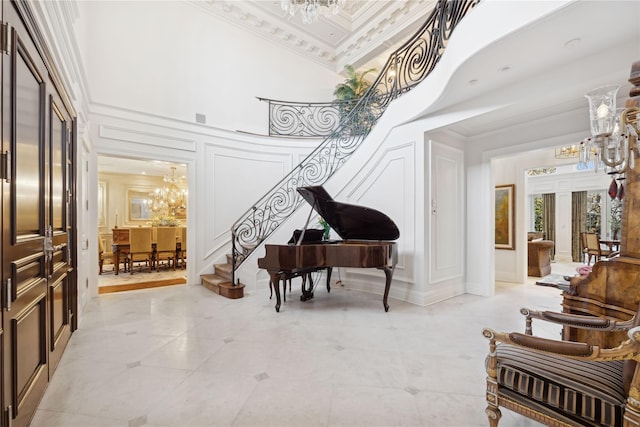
(505, 221)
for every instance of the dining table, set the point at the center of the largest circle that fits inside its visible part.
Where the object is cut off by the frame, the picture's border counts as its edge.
(121, 248)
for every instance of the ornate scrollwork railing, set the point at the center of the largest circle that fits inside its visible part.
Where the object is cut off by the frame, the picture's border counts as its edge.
(404, 69)
(305, 119)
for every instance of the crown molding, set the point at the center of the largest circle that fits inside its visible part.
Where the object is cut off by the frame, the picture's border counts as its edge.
(362, 30)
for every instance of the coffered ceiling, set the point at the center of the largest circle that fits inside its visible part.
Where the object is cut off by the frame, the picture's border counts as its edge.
(362, 34)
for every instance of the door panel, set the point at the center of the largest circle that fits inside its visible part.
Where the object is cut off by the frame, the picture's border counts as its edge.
(59, 318)
(25, 201)
(60, 265)
(27, 144)
(57, 140)
(29, 366)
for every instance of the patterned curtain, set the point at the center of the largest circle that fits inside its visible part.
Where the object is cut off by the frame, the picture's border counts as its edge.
(549, 218)
(578, 223)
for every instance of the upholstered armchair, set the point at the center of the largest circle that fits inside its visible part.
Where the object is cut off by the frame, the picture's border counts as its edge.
(563, 383)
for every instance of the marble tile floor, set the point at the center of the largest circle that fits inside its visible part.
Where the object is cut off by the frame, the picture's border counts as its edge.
(182, 356)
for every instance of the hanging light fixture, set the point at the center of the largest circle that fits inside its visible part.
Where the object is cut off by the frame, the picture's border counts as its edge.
(614, 134)
(310, 9)
(171, 196)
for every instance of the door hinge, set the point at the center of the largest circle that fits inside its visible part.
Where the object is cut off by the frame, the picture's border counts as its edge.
(5, 38)
(5, 166)
(9, 293)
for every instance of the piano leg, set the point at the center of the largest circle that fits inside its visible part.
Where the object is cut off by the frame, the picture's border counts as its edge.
(307, 293)
(275, 283)
(329, 270)
(388, 272)
(284, 288)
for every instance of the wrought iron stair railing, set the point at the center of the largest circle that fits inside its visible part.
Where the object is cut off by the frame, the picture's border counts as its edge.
(305, 119)
(405, 68)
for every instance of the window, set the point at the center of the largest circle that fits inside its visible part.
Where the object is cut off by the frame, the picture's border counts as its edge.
(536, 204)
(615, 218)
(594, 212)
(604, 215)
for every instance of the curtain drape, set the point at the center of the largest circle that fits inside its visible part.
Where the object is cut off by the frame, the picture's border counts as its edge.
(578, 223)
(549, 218)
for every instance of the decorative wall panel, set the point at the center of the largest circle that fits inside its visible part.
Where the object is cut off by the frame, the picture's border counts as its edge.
(446, 247)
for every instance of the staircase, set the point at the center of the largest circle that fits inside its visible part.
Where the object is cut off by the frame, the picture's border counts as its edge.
(406, 68)
(221, 282)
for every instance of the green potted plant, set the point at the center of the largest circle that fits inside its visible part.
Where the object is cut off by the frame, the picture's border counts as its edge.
(350, 91)
(326, 227)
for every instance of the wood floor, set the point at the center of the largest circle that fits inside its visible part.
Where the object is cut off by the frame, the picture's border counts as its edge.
(108, 282)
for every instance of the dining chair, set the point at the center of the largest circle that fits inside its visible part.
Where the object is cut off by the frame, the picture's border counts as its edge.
(103, 255)
(166, 246)
(141, 249)
(592, 248)
(183, 247)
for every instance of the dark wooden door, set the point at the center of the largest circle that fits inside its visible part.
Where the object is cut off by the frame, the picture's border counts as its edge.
(25, 262)
(57, 230)
(36, 260)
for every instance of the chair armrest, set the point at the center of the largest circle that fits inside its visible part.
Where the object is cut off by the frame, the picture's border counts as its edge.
(575, 320)
(565, 348)
(627, 350)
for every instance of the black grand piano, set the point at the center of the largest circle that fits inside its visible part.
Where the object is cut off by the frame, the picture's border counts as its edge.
(367, 243)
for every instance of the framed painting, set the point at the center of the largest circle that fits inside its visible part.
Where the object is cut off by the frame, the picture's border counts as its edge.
(138, 206)
(505, 216)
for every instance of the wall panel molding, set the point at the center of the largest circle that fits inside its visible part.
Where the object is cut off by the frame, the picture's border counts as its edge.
(139, 136)
(446, 203)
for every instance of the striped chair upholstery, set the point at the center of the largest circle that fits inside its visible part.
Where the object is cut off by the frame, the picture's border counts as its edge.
(576, 392)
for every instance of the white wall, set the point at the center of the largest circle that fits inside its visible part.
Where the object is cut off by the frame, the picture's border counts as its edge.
(169, 59)
(509, 266)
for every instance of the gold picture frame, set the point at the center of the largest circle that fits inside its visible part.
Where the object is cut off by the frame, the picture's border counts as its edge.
(505, 216)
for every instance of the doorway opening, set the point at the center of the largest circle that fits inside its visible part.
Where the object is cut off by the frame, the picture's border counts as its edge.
(149, 196)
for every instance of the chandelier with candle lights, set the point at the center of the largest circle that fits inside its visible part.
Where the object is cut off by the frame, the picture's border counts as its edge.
(170, 197)
(310, 9)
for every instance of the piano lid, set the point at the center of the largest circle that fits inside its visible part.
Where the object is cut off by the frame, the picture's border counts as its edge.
(351, 222)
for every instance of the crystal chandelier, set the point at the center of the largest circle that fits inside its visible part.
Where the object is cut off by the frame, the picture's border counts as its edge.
(310, 9)
(567, 151)
(171, 196)
(612, 146)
